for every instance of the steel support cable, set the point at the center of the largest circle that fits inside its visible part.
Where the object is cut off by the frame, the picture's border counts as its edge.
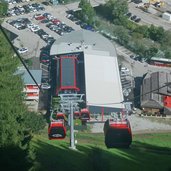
(18, 55)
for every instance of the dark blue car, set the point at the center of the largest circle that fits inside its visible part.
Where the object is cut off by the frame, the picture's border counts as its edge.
(89, 27)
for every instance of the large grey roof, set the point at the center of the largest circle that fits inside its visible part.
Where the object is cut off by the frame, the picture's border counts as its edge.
(102, 80)
(37, 74)
(83, 40)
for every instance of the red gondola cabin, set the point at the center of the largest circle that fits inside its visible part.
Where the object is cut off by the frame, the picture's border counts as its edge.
(85, 114)
(117, 133)
(76, 115)
(57, 130)
(60, 116)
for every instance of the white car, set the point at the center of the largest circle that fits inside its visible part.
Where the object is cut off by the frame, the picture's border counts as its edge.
(22, 50)
(124, 69)
(50, 17)
(45, 86)
(35, 28)
(30, 25)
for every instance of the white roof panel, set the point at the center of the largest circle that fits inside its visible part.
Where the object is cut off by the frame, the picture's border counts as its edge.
(103, 86)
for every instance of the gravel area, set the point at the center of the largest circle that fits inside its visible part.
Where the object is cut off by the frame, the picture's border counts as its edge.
(138, 125)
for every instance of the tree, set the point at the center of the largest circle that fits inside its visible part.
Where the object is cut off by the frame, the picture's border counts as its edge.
(3, 7)
(82, 3)
(152, 51)
(156, 33)
(122, 34)
(136, 35)
(34, 122)
(116, 10)
(87, 13)
(144, 30)
(166, 40)
(14, 132)
(168, 52)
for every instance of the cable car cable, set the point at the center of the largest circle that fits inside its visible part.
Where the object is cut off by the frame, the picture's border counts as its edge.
(1, 28)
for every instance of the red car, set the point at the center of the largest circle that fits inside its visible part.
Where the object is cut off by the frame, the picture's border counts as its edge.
(39, 17)
(56, 21)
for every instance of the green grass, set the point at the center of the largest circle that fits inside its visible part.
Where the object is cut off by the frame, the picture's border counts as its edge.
(148, 152)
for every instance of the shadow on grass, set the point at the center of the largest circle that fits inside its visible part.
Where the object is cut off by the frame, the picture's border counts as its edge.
(140, 157)
(14, 158)
(138, 146)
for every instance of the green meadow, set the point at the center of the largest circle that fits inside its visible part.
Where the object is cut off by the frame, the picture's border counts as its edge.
(148, 152)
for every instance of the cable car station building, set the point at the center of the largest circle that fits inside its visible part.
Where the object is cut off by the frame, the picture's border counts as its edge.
(85, 62)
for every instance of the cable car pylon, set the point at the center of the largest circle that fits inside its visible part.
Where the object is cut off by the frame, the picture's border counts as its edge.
(68, 104)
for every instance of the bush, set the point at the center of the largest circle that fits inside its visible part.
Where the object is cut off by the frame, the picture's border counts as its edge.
(34, 122)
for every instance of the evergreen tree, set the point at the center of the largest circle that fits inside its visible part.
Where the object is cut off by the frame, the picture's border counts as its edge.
(16, 127)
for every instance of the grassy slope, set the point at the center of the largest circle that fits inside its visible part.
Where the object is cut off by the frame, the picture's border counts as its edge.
(147, 152)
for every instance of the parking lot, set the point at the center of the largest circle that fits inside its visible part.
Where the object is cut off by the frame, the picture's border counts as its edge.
(28, 34)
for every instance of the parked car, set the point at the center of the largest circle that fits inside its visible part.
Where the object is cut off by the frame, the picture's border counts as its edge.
(137, 20)
(132, 56)
(55, 21)
(45, 86)
(44, 21)
(45, 80)
(30, 25)
(124, 69)
(46, 3)
(21, 27)
(35, 28)
(89, 27)
(39, 17)
(46, 14)
(22, 50)
(50, 40)
(70, 12)
(133, 17)
(129, 14)
(78, 22)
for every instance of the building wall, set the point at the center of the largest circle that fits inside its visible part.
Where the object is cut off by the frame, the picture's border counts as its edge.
(151, 110)
(32, 92)
(161, 96)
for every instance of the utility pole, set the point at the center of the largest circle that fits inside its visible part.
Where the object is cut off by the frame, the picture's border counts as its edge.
(72, 138)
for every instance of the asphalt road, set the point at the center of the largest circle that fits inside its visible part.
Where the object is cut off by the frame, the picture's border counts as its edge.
(146, 18)
(149, 18)
(139, 125)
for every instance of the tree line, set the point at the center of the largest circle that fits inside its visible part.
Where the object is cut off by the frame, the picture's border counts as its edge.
(146, 41)
(17, 124)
